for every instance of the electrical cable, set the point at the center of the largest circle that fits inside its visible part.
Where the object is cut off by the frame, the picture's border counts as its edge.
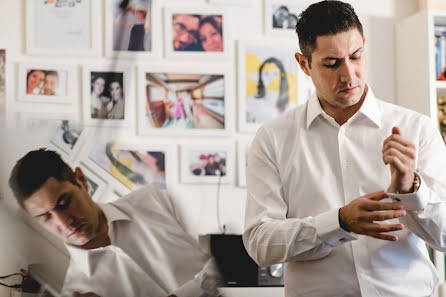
(17, 286)
(6, 276)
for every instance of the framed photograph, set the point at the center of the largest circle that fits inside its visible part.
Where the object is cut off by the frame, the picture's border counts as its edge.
(196, 33)
(243, 146)
(62, 27)
(270, 81)
(96, 185)
(180, 100)
(45, 122)
(108, 96)
(132, 32)
(281, 16)
(47, 83)
(69, 136)
(207, 163)
(130, 164)
(243, 3)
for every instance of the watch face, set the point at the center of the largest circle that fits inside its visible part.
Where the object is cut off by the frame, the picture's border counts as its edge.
(276, 270)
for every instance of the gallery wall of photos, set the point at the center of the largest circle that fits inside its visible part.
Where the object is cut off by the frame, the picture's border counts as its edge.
(167, 95)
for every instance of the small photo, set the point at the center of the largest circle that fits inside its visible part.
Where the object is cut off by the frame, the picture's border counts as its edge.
(67, 135)
(133, 168)
(207, 163)
(132, 25)
(281, 16)
(184, 101)
(107, 95)
(48, 82)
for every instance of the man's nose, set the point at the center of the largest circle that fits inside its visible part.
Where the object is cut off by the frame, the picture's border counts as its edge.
(63, 221)
(347, 72)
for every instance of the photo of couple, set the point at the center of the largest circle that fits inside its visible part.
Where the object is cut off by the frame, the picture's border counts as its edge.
(45, 82)
(195, 32)
(208, 163)
(107, 95)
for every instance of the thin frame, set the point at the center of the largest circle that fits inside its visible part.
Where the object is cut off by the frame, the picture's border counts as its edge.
(186, 149)
(71, 83)
(269, 30)
(93, 33)
(128, 91)
(244, 126)
(80, 142)
(243, 3)
(243, 146)
(155, 31)
(100, 182)
(167, 148)
(169, 11)
(143, 128)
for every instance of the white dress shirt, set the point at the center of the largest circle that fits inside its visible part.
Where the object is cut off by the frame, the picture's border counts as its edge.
(303, 167)
(150, 254)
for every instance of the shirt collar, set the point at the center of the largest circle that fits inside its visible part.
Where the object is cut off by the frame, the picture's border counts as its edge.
(83, 258)
(369, 108)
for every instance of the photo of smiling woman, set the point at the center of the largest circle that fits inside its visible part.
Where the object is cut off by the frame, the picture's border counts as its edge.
(107, 95)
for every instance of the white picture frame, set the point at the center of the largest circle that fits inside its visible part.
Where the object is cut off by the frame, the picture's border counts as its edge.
(74, 29)
(96, 185)
(243, 146)
(109, 73)
(95, 157)
(253, 114)
(243, 3)
(288, 17)
(116, 36)
(58, 83)
(218, 118)
(67, 132)
(193, 169)
(197, 51)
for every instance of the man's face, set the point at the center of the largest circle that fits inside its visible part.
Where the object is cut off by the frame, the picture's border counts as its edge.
(184, 26)
(66, 210)
(50, 84)
(338, 68)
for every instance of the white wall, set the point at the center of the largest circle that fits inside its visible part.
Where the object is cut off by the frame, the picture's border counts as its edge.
(246, 23)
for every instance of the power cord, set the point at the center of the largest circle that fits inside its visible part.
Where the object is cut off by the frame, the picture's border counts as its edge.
(16, 286)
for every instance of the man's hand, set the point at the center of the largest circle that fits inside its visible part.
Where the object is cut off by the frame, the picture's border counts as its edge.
(360, 216)
(399, 153)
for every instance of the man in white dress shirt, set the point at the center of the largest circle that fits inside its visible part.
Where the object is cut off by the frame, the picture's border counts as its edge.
(320, 177)
(135, 246)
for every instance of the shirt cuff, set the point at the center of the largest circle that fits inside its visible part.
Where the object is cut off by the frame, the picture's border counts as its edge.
(412, 201)
(329, 231)
(190, 289)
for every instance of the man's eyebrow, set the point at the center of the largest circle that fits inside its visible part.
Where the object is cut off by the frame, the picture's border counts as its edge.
(61, 197)
(335, 58)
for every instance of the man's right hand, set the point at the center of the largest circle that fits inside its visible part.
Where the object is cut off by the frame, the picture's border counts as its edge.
(360, 216)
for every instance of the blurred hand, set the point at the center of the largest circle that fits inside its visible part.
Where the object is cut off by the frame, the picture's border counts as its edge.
(360, 216)
(89, 294)
(399, 153)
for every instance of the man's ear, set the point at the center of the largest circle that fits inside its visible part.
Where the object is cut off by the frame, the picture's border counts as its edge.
(303, 62)
(80, 177)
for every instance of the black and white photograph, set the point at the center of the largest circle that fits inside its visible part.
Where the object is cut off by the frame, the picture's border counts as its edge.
(281, 16)
(66, 136)
(107, 95)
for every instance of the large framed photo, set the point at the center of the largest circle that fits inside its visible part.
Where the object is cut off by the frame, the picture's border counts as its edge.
(62, 27)
(196, 33)
(132, 31)
(47, 83)
(270, 82)
(207, 163)
(281, 16)
(108, 96)
(130, 163)
(183, 100)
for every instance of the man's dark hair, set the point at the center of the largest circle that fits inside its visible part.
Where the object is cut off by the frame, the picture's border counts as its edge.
(34, 169)
(327, 17)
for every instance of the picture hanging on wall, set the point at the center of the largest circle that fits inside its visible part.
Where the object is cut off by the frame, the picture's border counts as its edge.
(270, 82)
(177, 102)
(96, 185)
(243, 3)
(243, 146)
(47, 83)
(207, 164)
(196, 33)
(107, 96)
(69, 136)
(2, 79)
(281, 16)
(62, 27)
(132, 165)
(132, 31)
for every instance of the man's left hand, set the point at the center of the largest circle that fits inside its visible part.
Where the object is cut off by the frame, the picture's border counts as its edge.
(399, 153)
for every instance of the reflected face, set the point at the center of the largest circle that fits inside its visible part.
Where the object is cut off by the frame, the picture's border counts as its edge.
(98, 86)
(66, 210)
(35, 79)
(50, 84)
(211, 39)
(338, 68)
(183, 30)
(115, 90)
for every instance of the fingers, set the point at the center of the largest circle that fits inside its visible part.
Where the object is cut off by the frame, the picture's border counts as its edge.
(396, 130)
(406, 149)
(383, 215)
(377, 196)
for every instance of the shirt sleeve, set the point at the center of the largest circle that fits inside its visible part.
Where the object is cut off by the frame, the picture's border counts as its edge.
(429, 222)
(270, 237)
